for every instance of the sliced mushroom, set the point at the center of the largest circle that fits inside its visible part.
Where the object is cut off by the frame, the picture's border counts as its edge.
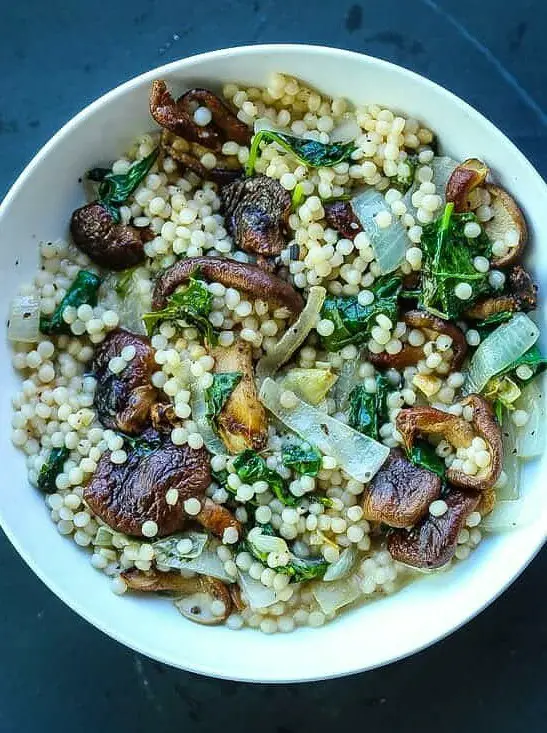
(507, 216)
(400, 493)
(163, 417)
(433, 326)
(189, 156)
(520, 295)
(177, 116)
(340, 216)
(242, 423)
(249, 278)
(216, 518)
(197, 593)
(466, 177)
(257, 211)
(111, 245)
(432, 543)
(488, 501)
(126, 495)
(413, 421)
(124, 401)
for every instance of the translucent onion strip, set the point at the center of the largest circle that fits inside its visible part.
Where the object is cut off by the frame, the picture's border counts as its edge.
(358, 455)
(389, 243)
(24, 319)
(499, 350)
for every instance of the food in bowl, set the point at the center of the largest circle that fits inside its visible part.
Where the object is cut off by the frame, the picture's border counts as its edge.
(286, 363)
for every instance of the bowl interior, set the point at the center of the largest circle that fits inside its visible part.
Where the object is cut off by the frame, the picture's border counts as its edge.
(38, 208)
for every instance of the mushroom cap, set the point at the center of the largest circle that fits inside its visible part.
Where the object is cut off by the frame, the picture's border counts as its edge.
(257, 211)
(520, 295)
(123, 401)
(340, 216)
(111, 245)
(467, 176)
(249, 278)
(127, 495)
(432, 543)
(400, 493)
(507, 216)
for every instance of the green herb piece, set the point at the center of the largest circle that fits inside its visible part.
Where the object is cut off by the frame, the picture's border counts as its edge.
(218, 393)
(116, 188)
(304, 459)
(307, 152)
(404, 180)
(84, 290)
(125, 281)
(251, 467)
(192, 304)
(533, 358)
(423, 454)
(221, 477)
(368, 410)
(167, 550)
(142, 445)
(353, 322)
(298, 196)
(448, 262)
(51, 469)
(298, 568)
(499, 410)
(487, 325)
(326, 501)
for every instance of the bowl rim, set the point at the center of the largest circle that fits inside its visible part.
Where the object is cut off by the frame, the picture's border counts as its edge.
(79, 118)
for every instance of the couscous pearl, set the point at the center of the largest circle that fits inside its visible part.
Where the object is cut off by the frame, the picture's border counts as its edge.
(520, 418)
(149, 528)
(438, 507)
(472, 229)
(192, 506)
(463, 291)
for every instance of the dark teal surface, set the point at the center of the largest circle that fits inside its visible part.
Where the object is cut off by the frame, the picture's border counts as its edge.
(60, 674)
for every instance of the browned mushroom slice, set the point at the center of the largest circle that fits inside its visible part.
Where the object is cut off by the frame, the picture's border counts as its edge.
(466, 177)
(216, 518)
(433, 326)
(249, 278)
(400, 493)
(520, 295)
(177, 117)
(126, 495)
(432, 543)
(257, 212)
(189, 156)
(110, 245)
(487, 502)
(242, 422)
(414, 421)
(197, 593)
(340, 216)
(507, 217)
(163, 417)
(124, 400)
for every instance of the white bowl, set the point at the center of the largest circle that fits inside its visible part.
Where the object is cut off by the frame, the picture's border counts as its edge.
(38, 207)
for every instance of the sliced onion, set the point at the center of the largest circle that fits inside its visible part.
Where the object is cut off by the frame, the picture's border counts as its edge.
(359, 455)
(389, 244)
(442, 167)
(24, 319)
(207, 563)
(103, 537)
(266, 543)
(264, 123)
(499, 350)
(129, 308)
(166, 550)
(199, 415)
(509, 491)
(530, 439)
(510, 515)
(256, 594)
(294, 337)
(348, 379)
(335, 595)
(342, 567)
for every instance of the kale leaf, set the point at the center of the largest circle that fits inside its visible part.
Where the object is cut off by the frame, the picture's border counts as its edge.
(302, 458)
(367, 410)
(193, 304)
(51, 469)
(83, 290)
(448, 261)
(487, 325)
(218, 393)
(353, 322)
(307, 152)
(423, 454)
(251, 467)
(116, 188)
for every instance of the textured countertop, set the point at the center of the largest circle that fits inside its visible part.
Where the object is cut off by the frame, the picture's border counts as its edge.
(60, 673)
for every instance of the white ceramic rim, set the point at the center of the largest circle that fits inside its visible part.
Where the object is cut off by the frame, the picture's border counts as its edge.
(188, 63)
